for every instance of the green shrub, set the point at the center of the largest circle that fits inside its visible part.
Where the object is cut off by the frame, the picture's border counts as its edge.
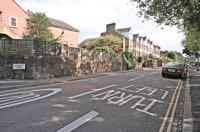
(140, 59)
(128, 59)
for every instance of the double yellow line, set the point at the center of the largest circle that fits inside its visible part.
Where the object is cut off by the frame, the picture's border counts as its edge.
(171, 108)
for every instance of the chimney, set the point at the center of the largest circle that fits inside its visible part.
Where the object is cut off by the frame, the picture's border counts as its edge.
(140, 38)
(135, 36)
(144, 38)
(110, 27)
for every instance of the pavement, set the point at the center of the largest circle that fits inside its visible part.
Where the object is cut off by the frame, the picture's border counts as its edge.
(12, 84)
(192, 102)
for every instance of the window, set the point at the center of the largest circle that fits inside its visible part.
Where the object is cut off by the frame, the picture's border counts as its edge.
(13, 22)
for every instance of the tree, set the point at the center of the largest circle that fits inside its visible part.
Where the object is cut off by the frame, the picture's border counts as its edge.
(38, 28)
(187, 51)
(164, 52)
(108, 44)
(192, 40)
(171, 12)
(183, 13)
(171, 55)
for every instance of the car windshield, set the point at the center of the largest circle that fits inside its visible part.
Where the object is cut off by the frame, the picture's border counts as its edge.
(175, 65)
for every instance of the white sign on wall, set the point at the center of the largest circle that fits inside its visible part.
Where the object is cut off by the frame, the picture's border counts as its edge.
(19, 66)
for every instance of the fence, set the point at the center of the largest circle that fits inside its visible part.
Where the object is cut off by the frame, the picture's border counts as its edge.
(29, 48)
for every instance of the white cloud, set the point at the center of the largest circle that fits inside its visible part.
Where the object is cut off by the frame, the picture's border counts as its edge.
(91, 17)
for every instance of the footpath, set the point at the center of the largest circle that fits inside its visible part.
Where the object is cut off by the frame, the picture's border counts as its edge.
(191, 121)
(12, 84)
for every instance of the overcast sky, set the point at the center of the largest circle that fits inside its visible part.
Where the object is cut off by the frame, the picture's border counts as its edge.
(91, 17)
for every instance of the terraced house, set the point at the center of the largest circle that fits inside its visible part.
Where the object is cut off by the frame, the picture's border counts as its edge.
(140, 46)
(13, 24)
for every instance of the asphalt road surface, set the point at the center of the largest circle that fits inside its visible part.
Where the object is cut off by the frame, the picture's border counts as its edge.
(140, 101)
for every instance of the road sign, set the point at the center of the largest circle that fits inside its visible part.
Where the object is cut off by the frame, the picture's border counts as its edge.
(19, 66)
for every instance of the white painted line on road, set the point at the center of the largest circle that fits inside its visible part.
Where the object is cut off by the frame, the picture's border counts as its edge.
(89, 92)
(15, 101)
(165, 94)
(27, 100)
(152, 73)
(80, 121)
(15, 97)
(136, 78)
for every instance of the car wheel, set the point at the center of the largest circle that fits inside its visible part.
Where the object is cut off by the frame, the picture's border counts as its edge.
(163, 75)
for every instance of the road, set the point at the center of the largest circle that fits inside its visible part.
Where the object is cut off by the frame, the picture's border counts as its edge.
(140, 101)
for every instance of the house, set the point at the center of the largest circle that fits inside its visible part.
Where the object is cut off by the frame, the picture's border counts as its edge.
(138, 45)
(65, 32)
(12, 20)
(124, 34)
(13, 24)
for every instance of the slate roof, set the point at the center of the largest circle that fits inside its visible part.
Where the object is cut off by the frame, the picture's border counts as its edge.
(124, 29)
(58, 23)
(84, 43)
(61, 24)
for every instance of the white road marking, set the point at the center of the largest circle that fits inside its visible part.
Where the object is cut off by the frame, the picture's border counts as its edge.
(31, 98)
(145, 110)
(15, 101)
(80, 121)
(165, 94)
(152, 73)
(15, 97)
(125, 88)
(136, 78)
(90, 92)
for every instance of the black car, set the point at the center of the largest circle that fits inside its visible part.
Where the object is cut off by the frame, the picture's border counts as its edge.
(176, 69)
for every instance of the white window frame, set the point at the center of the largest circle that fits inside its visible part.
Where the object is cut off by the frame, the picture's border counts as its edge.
(10, 21)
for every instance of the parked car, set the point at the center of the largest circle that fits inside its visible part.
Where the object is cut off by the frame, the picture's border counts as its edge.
(175, 69)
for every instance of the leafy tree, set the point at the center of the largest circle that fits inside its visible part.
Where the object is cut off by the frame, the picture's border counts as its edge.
(108, 44)
(171, 12)
(38, 28)
(192, 40)
(183, 13)
(164, 52)
(171, 55)
(187, 51)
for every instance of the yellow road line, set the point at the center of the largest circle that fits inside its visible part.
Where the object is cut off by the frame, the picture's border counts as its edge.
(174, 109)
(169, 108)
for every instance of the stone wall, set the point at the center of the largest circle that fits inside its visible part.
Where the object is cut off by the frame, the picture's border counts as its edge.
(50, 61)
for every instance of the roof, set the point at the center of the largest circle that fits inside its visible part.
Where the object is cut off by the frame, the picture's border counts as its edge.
(20, 7)
(124, 29)
(84, 43)
(58, 23)
(61, 24)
